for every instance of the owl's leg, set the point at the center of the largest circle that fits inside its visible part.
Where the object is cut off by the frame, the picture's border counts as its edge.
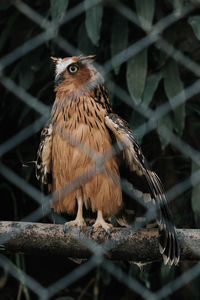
(79, 221)
(100, 222)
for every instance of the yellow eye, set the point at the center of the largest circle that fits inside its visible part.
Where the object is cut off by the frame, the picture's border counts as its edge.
(72, 69)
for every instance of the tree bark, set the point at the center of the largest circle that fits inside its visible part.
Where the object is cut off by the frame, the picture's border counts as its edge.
(120, 244)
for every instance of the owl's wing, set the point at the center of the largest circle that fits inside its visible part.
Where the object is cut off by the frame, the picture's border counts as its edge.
(137, 170)
(44, 158)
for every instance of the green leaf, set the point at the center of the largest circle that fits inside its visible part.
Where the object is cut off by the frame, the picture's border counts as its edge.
(145, 11)
(84, 43)
(173, 86)
(150, 88)
(135, 122)
(57, 9)
(177, 5)
(166, 121)
(145, 276)
(195, 197)
(136, 75)
(93, 19)
(195, 23)
(167, 274)
(119, 36)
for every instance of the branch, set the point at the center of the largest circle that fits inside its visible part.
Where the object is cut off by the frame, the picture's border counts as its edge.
(121, 244)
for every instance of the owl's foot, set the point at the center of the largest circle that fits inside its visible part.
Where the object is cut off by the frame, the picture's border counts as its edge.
(101, 223)
(106, 226)
(79, 222)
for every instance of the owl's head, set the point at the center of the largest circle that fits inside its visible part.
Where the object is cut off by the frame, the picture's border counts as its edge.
(76, 73)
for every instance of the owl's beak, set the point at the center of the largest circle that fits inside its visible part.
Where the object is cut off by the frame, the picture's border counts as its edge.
(58, 79)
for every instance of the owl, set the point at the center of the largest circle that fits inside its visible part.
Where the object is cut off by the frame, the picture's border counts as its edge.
(89, 159)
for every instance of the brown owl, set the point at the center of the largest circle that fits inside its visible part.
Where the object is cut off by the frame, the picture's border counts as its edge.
(86, 150)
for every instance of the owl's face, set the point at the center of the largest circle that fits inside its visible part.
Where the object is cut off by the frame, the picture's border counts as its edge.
(73, 73)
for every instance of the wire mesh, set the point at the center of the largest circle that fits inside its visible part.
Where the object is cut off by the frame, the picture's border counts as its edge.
(153, 36)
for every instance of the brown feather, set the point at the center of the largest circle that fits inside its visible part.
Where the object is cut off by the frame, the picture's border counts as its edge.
(67, 157)
(136, 165)
(79, 137)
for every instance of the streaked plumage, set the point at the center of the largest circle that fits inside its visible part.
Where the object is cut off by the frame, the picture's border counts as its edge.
(82, 132)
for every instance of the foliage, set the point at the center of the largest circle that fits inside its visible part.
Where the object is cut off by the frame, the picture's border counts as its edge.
(152, 77)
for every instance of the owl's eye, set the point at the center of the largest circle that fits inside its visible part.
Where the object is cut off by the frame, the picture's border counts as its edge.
(72, 69)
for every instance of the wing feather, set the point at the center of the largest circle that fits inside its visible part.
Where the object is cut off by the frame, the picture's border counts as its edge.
(44, 158)
(135, 164)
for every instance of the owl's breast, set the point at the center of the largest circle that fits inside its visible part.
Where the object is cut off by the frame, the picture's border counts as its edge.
(80, 141)
(80, 130)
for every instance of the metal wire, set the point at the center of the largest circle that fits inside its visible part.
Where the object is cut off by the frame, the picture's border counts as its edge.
(153, 36)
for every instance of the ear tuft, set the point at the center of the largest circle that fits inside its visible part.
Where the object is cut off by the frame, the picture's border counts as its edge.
(86, 59)
(55, 59)
(91, 56)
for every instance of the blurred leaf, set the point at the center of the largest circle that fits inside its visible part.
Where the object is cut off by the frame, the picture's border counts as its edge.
(150, 88)
(119, 36)
(140, 273)
(93, 21)
(26, 78)
(166, 121)
(161, 56)
(136, 75)
(173, 86)
(84, 43)
(145, 275)
(177, 5)
(57, 9)
(195, 197)
(145, 11)
(136, 121)
(134, 271)
(195, 23)
(166, 273)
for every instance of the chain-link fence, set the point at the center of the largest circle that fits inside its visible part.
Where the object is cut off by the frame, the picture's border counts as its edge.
(148, 48)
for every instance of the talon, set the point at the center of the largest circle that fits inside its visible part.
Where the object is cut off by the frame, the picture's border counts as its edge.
(106, 226)
(77, 222)
(100, 223)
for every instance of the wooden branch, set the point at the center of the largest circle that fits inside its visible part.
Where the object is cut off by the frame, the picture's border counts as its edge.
(121, 244)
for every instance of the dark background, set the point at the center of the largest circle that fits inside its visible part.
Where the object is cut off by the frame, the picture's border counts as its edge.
(34, 72)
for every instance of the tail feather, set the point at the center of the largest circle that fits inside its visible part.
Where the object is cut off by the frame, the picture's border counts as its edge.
(169, 247)
(168, 242)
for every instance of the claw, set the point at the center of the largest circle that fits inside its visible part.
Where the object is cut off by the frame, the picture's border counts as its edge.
(106, 226)
(100, 223)
(79, 222)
